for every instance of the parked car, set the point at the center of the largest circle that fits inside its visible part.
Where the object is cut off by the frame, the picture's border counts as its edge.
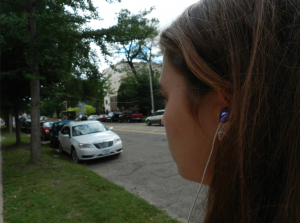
(82, 117)
(130, 116)
(45, 126)
(92, 117)
(26, 125)
(113, 116)
(102, 118)
(43, 118)
(88, 140)
(156, 117)
(54, 130)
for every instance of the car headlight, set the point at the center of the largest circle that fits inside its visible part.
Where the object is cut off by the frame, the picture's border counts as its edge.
(81, 145)
(118, 140)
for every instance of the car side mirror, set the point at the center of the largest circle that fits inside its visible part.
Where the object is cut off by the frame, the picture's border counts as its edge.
(111, 128)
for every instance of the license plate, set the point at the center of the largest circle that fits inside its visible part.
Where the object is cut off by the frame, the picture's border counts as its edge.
(106, 151)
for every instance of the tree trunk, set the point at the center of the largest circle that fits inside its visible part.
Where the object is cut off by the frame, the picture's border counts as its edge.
(132, 67)
(17, 129)
(10, 123)
(35, 142)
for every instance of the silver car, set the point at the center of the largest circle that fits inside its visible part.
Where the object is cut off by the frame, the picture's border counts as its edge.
(88, 140)
(156, 117)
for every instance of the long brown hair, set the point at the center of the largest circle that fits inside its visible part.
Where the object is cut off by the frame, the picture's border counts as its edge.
(249, 50)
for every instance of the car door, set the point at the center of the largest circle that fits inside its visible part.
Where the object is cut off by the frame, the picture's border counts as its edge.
(154, 118)
(65, 141)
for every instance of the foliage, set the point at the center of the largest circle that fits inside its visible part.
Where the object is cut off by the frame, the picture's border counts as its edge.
(88, 109)
(74, 109)
(133, 36)
(46, 43)
(68, 191)
(135, 91)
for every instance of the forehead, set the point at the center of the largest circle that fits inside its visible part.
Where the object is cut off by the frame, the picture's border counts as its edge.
(170, 78)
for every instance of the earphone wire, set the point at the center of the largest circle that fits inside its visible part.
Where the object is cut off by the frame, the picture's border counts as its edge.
(198, 192)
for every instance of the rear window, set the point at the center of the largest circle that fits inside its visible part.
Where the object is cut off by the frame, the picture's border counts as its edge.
(47, 124)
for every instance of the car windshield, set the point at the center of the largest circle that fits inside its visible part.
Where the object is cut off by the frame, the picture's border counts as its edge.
(88, 129)
(111, 114)
(47, 124)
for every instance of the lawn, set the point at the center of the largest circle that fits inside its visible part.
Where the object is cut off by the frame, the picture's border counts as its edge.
(59, 190)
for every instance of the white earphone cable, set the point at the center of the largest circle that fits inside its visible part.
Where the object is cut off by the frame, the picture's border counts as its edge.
(198, 192)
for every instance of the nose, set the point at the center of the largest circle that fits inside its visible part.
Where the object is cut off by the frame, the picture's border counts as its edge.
(163, 119)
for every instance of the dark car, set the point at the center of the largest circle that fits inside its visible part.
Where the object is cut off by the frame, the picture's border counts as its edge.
(54, 130)
(82, 117)
(26, 126)
(113, 116)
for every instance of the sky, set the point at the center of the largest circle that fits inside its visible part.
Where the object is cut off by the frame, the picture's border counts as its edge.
(166, 11)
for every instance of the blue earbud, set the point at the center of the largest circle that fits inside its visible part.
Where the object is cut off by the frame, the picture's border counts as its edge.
(224, 115)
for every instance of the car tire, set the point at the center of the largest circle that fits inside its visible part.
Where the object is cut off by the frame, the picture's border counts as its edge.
(148, 122)
(74, 156)
(60, 148)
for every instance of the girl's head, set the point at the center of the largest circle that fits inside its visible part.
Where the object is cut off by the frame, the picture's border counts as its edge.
(244, 55)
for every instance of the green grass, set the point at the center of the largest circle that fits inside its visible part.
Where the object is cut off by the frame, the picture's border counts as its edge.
(59, 190)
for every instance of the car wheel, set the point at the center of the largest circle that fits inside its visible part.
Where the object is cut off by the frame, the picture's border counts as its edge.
(60, 148)
(148, 122)
(74, 156)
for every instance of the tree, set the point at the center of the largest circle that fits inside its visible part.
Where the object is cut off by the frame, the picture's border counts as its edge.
(52, 45)
(133, 36)
(135, 91)
(88, 109)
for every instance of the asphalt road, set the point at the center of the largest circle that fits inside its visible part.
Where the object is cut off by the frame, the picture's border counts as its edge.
(147, 169)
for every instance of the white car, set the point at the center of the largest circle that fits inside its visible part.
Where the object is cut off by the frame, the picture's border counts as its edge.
(92, 117)
(156, 117)
(88, 140)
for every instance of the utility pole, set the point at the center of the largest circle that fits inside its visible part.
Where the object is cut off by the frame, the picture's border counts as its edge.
(150, 78)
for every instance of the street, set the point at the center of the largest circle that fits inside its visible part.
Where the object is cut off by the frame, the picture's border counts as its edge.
(147, 169)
